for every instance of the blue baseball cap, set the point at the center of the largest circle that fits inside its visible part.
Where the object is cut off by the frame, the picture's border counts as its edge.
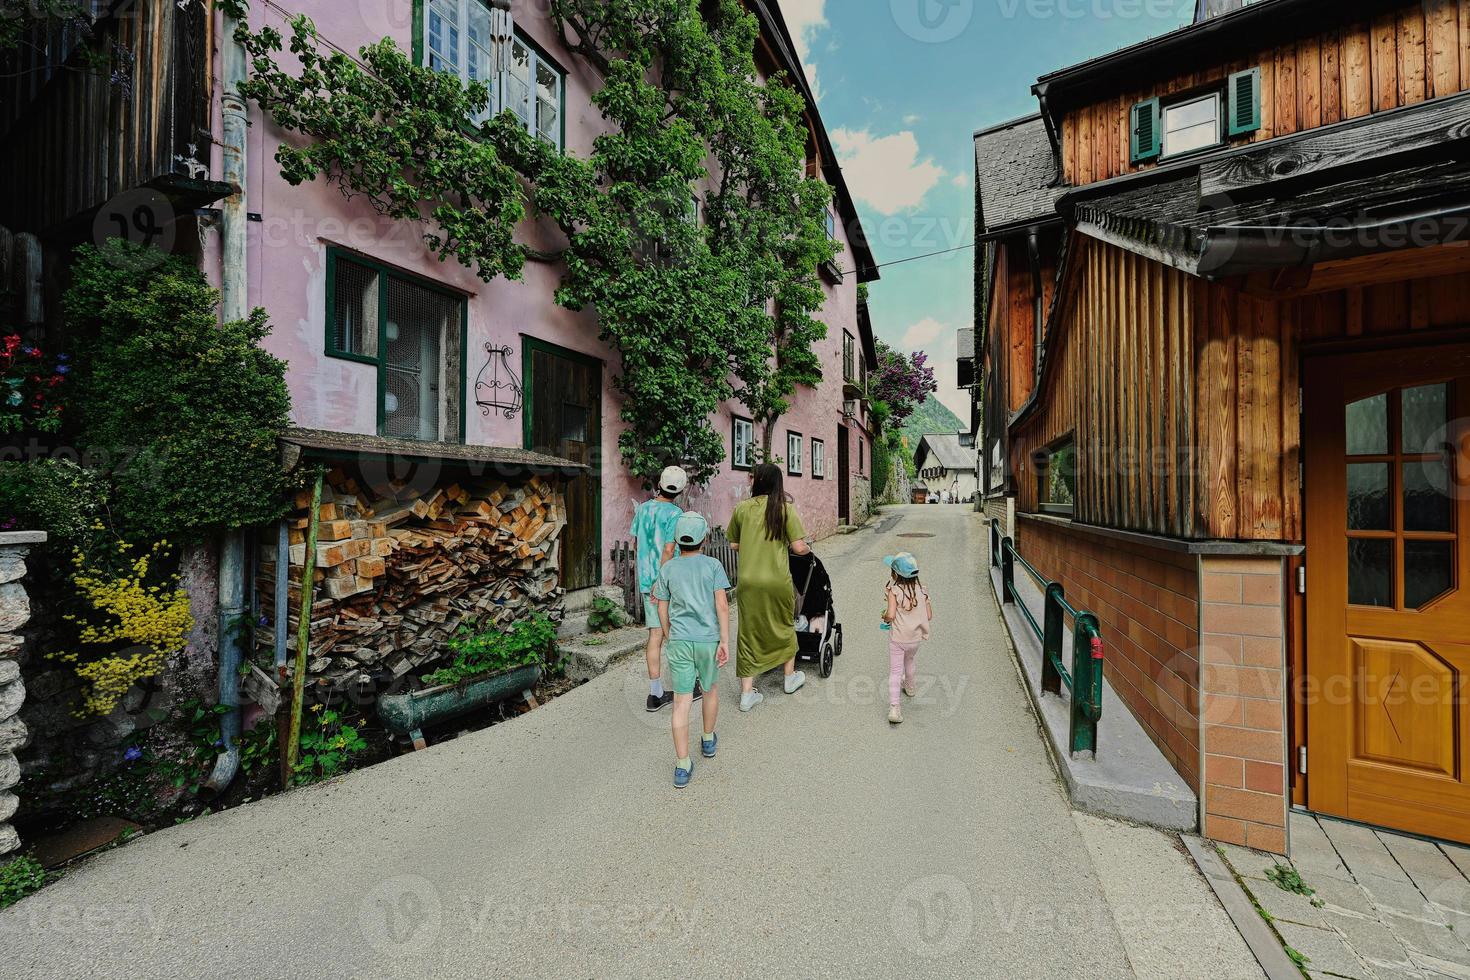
(905, 564)
(691, 529)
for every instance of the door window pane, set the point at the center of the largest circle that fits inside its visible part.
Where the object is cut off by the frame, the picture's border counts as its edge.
(1369, 505)
(1427, 503)
(418, 322)
(444, 35)
(1426, 410)
(548, 104)
(1429, 571)
(1367, 427)
(518, 82)
(1370, 573)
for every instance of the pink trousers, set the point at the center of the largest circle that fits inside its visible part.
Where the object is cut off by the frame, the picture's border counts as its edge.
(900, 667)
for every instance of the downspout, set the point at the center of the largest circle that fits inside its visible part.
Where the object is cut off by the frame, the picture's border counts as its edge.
(234, 303)
(1033, 252)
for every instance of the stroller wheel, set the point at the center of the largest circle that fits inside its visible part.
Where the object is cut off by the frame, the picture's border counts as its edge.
(837, 641)
(824, 665)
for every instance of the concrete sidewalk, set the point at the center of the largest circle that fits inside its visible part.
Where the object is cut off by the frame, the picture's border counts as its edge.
(821, 842)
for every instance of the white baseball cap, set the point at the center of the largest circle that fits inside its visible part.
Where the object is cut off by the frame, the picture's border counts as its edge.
(673, 481)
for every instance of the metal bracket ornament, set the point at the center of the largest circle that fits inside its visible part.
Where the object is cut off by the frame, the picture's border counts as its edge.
(498, 387)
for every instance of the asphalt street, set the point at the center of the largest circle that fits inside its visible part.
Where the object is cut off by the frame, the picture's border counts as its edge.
(822, 842)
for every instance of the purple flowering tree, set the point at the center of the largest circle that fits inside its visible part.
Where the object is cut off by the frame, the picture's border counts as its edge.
(901, 384)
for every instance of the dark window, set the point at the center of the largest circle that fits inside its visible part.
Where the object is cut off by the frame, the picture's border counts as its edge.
(1056, 479)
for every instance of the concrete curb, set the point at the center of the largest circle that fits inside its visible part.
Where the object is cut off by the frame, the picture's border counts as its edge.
(1263, 944)
(1130, 779)
(588, 660)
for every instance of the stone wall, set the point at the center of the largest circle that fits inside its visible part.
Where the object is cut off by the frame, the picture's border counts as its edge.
(15, 612)
(899, 487)
(862, 500)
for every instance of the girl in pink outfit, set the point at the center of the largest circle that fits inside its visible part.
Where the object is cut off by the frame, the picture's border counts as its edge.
(907, 620)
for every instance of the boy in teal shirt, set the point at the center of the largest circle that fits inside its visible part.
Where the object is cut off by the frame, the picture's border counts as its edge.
(653, 533)
(694, 609)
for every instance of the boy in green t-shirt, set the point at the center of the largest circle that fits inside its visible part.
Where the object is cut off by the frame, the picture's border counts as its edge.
(694, 609)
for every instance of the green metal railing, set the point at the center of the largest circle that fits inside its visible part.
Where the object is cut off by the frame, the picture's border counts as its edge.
(1084, 680)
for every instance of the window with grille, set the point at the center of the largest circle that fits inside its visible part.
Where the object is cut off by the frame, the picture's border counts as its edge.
(819, 459)
(412, 332)
(742, 443)
(793, 453)
(469, 39)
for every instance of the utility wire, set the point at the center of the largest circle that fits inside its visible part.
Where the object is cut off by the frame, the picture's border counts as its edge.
(915, 258)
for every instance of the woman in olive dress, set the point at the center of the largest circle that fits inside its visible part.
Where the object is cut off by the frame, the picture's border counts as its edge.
(765, 530)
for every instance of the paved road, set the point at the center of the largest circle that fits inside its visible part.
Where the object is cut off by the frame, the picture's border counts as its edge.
(820, 843)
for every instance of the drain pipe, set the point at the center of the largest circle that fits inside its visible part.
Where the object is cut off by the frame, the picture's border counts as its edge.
(234, 306)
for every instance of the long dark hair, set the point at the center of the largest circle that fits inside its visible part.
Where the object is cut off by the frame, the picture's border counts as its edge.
(769, 483)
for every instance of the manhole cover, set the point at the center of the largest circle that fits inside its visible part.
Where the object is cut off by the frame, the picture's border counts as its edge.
(916, 534)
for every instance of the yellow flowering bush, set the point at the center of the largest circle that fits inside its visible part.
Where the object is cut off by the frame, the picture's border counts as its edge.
(149, 620)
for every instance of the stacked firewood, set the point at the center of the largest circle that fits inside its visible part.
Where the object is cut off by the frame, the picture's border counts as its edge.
(399, 568)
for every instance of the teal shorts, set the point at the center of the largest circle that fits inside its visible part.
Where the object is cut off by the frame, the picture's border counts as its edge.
(650, 612)
(689, 662)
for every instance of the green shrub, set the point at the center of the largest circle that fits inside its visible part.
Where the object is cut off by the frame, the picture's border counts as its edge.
(20, 877)
(606, 616)
(51, 495)
(180, 411)
(487, 651)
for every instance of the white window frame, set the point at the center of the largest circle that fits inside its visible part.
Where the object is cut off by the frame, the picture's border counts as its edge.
(1219, 139)
(742, 443)
(795, 447)
(819, 459)
(456, 60)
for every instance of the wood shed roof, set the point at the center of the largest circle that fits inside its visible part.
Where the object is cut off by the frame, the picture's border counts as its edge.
(320, 444)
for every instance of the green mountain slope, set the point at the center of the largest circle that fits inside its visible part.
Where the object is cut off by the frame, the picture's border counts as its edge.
(932, 416)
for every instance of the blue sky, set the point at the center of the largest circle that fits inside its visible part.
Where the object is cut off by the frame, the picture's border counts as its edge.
(902, 86)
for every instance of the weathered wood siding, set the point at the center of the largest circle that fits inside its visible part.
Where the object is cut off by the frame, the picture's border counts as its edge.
(1410, 53)
(1184, 396)
(1122, 386)
(74, 137)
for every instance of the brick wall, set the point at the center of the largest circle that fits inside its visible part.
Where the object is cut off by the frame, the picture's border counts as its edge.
(1243, 648)
(1147, 601)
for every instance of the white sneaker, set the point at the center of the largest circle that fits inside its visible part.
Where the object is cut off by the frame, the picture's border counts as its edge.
(895, 717)
(795, 681)
(750, 700)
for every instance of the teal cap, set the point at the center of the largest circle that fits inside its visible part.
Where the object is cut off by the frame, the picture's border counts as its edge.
(905, 564)
(691, 529)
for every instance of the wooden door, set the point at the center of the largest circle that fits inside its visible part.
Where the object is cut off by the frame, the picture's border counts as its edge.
(844, 478)
(563, 417)
(1387, 452)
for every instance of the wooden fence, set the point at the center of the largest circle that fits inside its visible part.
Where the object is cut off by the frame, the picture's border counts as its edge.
(625, 569)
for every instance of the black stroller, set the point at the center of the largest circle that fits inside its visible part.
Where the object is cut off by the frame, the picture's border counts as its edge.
(818, 634)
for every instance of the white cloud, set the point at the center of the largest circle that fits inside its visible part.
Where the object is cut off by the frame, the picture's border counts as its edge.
(961, 180)
(911, 118)
(806, 18)
(886, 172)
(938, 340)
(920, 335)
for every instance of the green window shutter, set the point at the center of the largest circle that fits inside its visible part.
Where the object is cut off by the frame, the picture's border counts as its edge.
(417, 44)
(1245, 103)
(1146, 123)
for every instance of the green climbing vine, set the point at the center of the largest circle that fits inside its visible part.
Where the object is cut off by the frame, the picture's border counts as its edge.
(706, 286)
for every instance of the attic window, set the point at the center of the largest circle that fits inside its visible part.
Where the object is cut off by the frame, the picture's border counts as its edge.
(1192, 126)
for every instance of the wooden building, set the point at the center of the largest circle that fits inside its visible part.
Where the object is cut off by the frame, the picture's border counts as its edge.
(1224, 349)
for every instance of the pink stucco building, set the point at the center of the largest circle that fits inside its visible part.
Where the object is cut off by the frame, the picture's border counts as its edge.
(328, 270)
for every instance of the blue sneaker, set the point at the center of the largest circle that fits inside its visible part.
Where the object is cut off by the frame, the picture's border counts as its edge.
(682, 776)
(707, 746)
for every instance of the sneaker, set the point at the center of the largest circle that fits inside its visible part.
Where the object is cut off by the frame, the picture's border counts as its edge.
(908, 690)
(655, 702)
(707, 746)
(698, 691)
(794, 682)
(682, 776)
(895, 717)
(748, 701)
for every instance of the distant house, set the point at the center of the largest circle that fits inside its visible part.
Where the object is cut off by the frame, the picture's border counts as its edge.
(945, 463)
(1222, 335)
